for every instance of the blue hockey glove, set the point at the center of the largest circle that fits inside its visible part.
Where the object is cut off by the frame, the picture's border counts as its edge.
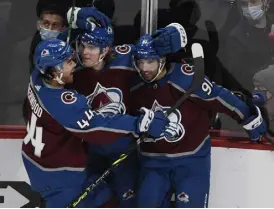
(153, 123)
(169, 39)
(259, 97)
(255, 126)
(83, 18)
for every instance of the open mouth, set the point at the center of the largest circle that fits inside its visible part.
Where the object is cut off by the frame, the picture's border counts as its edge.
(146, 74)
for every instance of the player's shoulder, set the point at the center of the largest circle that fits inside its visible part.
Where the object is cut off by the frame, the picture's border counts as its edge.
(182, 74)
(61, 102)
(124, 50)
(123, 56)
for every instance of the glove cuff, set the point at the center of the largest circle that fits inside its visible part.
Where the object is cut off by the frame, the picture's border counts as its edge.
(182, 32)
(256, 122)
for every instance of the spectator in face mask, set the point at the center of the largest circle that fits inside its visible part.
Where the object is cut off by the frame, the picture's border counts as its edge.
(263, 95)
(248, 47)
(51, 23)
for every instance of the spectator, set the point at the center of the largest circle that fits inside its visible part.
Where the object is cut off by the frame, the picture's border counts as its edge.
(248, 47)
(264, 85)
(52, 18)
(51, 23)
(105, 6)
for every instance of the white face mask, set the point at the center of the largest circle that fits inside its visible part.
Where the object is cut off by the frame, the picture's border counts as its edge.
(253, 13)
(47, 34)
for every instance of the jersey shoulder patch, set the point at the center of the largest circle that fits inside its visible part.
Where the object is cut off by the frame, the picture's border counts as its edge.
(182, 75)
(123, 57)
(65, 106)
(68, 97)
(123, 49)
(60, 100)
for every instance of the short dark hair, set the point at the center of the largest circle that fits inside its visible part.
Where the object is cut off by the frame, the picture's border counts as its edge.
(53, 12)
(48, 75)
(47, 7)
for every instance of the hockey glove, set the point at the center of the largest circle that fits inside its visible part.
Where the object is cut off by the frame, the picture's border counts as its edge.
(169, 39)
(83, 18)
(174, 132)
(152, 123)
(255, 126)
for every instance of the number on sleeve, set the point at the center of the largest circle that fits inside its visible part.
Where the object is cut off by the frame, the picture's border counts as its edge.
(207, 87)
(34, 134)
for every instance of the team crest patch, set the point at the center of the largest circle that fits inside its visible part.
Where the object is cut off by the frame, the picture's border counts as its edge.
(187, 69)
(44, 53)
(102, 96)
(174, 117)
(68, 97)
(183, 197)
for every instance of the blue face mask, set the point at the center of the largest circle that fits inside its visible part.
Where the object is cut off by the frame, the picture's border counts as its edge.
(259, 97)
(47, 34)
(253, 13)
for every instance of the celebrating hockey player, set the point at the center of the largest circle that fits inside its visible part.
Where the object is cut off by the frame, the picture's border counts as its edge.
(106, 77)
(180, 162)
(60, 121)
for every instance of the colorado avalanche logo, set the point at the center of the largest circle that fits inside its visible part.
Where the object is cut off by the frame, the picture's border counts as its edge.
(103, 96)
(68, 97)
(187, 69)
(172, 133)
(123, 49)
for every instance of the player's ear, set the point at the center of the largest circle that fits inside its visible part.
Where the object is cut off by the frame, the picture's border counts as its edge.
(106, 50)
(163, 60)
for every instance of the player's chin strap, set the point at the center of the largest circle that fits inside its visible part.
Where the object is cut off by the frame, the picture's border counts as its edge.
(198, 55)
(160, 69)
(60, 76)
(59, 79)
(101, 57)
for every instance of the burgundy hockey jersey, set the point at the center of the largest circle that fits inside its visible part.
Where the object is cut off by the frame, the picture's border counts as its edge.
(193, 114)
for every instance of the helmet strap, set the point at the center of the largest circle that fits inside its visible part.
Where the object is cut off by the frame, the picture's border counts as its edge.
(59, 79)
(159, 70)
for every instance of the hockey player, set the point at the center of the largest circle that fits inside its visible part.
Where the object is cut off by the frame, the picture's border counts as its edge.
(60, 120)
(181, 162)
(106, 77)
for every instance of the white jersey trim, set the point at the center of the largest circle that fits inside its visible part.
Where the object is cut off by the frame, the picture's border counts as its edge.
(150, 154)
(223, 102)
(50, 169)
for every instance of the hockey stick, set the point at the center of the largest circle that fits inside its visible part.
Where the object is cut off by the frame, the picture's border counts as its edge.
(71, 20)
(198, 55)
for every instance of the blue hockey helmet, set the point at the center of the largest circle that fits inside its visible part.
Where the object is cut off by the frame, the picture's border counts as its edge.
(144, 49)
(51, 53)
(98, 36)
